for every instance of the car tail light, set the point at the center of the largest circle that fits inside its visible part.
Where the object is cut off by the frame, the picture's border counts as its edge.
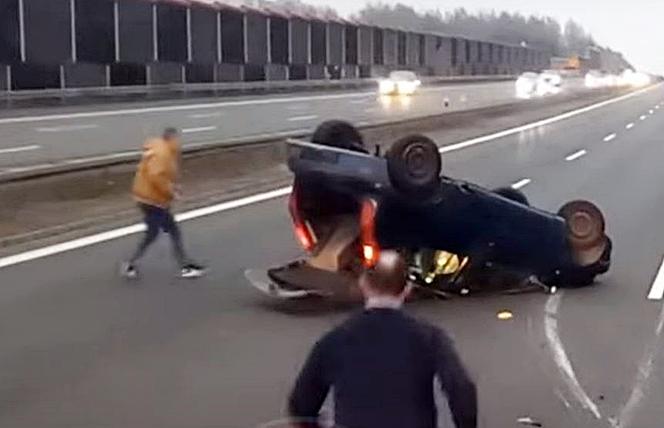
(370, 248)
(302, 230)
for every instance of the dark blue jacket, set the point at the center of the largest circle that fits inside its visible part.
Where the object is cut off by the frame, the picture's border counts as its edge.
(381, 365)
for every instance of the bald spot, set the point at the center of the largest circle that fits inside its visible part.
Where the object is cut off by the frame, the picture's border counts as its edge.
(389, 275)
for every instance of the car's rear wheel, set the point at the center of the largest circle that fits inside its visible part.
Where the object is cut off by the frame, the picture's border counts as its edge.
(414, 165)
(513, 195)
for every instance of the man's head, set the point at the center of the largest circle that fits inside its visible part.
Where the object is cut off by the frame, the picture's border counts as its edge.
(171, 135)
(388, 278)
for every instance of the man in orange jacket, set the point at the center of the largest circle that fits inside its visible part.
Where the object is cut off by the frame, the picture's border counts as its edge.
(154, 190)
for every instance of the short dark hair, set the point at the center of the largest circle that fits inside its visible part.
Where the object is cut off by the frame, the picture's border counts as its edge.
(389, 275)
(170, 133)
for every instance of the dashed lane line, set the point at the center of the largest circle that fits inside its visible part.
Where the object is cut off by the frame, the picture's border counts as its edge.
(521, 183)
(610, 137)
(576, 155)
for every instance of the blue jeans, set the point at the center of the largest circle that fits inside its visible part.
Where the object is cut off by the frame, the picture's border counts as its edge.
(158, 219)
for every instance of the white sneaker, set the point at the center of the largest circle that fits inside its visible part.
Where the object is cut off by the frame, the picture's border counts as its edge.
(192, 270)
(128, 270)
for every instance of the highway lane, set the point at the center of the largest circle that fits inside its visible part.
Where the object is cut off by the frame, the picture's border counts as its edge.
(81, 347)
(54, 135)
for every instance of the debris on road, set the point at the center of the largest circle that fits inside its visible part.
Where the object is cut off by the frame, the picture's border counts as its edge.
(529, 421)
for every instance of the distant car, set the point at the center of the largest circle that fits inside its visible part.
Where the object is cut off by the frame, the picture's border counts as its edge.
(526, 85)
(600, 79)
(400, 82)
(549, 82)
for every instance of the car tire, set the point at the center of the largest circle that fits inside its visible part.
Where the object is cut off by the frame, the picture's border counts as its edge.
(414, 165)
(514, 195)
(338, 133)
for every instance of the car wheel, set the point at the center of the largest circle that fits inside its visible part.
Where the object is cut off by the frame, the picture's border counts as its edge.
(337, 133)
(414, 164)
(585, 231)
(513, 195)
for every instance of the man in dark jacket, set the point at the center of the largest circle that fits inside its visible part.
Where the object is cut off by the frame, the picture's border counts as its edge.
(381, 364)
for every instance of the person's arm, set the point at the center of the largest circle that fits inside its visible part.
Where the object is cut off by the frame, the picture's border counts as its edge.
(311, 388)
(455, 381)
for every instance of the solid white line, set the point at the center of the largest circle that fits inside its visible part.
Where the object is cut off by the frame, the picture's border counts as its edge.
(136, 228)
(205, 115)
(300, 118)
(560, 356)
(66, 128)
(630, 125)
(118, 233)
(576, 155)
(609, 137)
(200, 129)
(185, 107)
(657, 289)
(554, 119)
(643, 373)
(643, 117)
(521, 183)
(19, 149)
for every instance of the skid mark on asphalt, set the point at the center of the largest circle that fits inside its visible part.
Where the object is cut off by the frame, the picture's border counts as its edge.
(643, 373)
(560, 356)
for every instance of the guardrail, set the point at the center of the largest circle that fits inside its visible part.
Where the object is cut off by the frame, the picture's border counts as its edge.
(190, 90)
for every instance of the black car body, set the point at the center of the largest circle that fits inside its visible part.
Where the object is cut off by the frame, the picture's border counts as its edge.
(346, 208)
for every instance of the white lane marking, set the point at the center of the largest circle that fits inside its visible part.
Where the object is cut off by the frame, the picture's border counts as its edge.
(117, 233)
(67, 128)
(136, 228)
(199, 129)
(657, 288)
(19, 149)
(643, 117)
(576, 155)
(610, 137)
(651, 111)
(657, 107)
(630, 125)
(301, 118)
(298, 107)
(643, 373)
(521, 183)
(358, 101)
(533, 125)
(370, 110)
(560, 356)
(205, 115)
(185, 107)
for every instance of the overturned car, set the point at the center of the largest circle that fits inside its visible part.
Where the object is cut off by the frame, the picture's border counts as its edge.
(348, 205)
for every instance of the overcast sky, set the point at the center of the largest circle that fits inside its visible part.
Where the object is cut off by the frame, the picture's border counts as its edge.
(633, 27)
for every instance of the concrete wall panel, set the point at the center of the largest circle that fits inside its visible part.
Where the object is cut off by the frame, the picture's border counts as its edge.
(203, 35)
(135, 25)
(95, 31)
(9, 31)
(335, 33)
(232, 37)
(390, 47)
(299, 41)
(82, 75)
(229, 72)
(256, 39)
(365, 36)
(47, 31)
(172, 32)
(279, 47)
(351, 44)
(162, 73)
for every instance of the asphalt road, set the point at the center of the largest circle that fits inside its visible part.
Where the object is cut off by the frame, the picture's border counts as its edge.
(35, 137)
(81, 348)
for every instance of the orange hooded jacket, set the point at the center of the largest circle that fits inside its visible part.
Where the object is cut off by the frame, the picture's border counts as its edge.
(154, 182)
